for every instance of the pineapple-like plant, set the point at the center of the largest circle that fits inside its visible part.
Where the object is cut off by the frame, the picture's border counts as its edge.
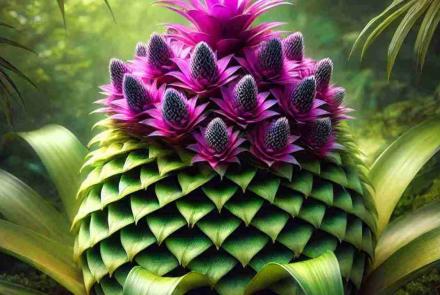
(223, 166)
(223, 150)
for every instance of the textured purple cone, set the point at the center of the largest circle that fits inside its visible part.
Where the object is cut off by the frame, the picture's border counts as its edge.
(270, 56)
(294, 47)
(158, 52)
(320, 132)
(245, 94)
(277, 135)
(141, 49)
(303, 95)
(135, 93)
(216, 135)
(338, 97)
(174, 109)
(117, 70)
(323, 74)
(203, 63)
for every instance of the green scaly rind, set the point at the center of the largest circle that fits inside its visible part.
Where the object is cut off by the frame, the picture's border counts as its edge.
(146, 205)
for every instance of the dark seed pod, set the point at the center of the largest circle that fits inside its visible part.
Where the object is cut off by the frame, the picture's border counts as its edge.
(245, 94)
(323, 74)
(135, 93)
(270, 56)
(216, 135)
(303, 95)
(174, 108)
(158, 52)
(320, 132)
(338, 98)
(277, 135)
(203, 63)
(294, 47)
(117, 70)
(141, 49)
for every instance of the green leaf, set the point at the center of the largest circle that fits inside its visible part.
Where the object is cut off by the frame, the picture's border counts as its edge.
(397, 166)
(194, 210)
(49, 256)
(218, 229)
(319, 276)
(405, 230)
(20, 204)
(245, 246)
(15, 289)
(186, 248)
(426, 32)
(143, 282)
(62, 154)
(190, 181)
(405, 264)
(403, 29)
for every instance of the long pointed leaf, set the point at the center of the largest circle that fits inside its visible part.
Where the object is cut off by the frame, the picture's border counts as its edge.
(62, 154)
(23, 206)
(142, 282)
(426, 32)
(319, 276)
(404, 230)
(402, 31)
(396, 167)
(15, 289)
(51, 257)
(405, 264)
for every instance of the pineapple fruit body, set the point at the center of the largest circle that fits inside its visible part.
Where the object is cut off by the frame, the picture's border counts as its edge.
(145, 204)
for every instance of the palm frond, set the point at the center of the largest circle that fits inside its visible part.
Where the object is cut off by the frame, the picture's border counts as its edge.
(408, 12)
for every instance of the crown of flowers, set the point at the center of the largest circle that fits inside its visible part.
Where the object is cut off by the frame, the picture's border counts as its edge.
(223, 93)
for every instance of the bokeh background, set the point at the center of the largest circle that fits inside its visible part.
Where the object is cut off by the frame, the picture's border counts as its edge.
(71, 62)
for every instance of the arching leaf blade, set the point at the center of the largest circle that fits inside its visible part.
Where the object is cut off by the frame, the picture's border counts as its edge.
(16, 289)
(21, 205)
(397, 166)
(319, 276)
(426, 32)
(402, 31)
(404, 230)
(142, 282)
(405, 264)
(62, 154)
(49, 256)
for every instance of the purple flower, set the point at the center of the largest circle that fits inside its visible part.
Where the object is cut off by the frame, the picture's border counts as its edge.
(217, 144)
(202, 72)
(243, 104)
(154, 60)
(272, 143)
(267, 63)
(226, 25)
(299, 100)
(320, 137)
(175, 116)
(117, 70)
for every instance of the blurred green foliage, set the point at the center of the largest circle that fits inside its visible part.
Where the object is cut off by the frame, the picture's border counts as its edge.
(72, 62)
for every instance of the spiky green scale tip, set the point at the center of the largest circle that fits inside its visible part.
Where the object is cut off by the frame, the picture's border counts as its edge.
(294, 46)
(216, 135)
(158, 52)
(174, 108)
(134, 93)
(203, 63)
(141, 49)
(323, 73)
(245, 93)
(270, 56)
(277, 134)
(117, 70)
(303, 95)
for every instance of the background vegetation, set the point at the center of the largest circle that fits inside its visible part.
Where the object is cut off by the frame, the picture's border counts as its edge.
(71, 63)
